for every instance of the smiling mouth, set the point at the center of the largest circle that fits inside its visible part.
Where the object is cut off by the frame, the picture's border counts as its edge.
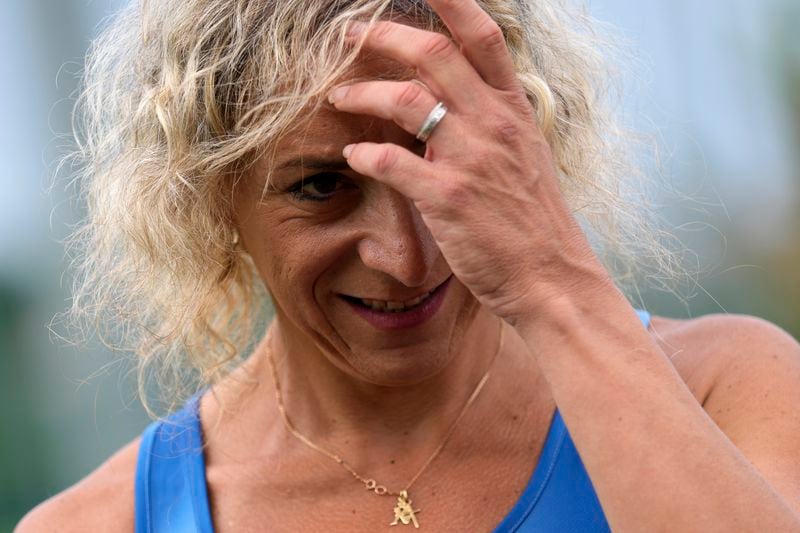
(393, 306)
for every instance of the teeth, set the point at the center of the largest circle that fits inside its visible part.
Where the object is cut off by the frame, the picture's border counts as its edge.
(415, 301)
(392, 305)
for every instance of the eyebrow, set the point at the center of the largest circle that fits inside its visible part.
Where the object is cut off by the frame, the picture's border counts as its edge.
(314, 163)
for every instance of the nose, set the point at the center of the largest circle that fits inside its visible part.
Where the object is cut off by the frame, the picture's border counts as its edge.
(397, 242)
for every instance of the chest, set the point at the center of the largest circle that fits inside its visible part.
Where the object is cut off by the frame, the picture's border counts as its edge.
(457, 493)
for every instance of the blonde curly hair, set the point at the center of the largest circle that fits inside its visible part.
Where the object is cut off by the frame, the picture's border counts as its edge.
(181, 96)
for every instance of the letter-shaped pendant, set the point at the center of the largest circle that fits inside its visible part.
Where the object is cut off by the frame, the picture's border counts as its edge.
(404, 513)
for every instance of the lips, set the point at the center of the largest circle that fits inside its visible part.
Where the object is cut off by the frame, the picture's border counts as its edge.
(391, 315)
(393, 305)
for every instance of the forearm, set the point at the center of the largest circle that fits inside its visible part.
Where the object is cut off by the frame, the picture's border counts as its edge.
(657, 461)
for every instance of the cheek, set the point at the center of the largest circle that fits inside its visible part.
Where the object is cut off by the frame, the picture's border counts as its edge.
(291, 263)
(295, 259)
(300, 270)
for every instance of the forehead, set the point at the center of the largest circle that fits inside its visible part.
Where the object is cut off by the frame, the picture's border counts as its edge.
(323, 129)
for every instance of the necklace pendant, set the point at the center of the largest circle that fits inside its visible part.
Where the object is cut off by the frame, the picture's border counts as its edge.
(404, 512)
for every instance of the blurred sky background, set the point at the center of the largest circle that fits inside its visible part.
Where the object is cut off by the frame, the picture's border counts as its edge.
(717, 82)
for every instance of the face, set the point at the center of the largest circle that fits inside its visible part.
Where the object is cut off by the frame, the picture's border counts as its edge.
(324, 237)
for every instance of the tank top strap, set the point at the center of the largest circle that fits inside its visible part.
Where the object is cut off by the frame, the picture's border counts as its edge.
(170, 475)
(644, 316)
(559, 495)
(171, 492)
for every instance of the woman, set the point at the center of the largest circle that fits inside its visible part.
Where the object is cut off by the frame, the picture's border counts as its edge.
(445, 336)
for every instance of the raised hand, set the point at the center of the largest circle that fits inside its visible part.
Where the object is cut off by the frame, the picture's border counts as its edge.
(486, 187)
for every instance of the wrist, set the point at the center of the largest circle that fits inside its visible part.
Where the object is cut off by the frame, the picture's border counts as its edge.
(560, 304)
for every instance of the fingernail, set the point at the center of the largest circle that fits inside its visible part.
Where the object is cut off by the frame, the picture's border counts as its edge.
(338, 94)
(355, 28)
(348, 150)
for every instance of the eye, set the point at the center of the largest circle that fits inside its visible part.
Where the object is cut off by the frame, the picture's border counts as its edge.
(319, 187)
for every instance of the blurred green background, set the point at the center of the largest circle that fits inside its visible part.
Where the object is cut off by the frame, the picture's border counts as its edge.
(717, 82)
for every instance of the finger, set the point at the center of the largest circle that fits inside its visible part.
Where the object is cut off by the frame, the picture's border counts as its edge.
(438, 61)
(393, 165)
(482, 41)
(406, 103)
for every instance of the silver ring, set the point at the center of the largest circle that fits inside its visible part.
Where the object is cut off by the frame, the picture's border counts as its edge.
(431, 121)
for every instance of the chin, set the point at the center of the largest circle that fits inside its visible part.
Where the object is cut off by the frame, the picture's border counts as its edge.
(399, 367)
(404, 357)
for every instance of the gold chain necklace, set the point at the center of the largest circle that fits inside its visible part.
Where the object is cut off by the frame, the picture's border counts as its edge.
(404, 512)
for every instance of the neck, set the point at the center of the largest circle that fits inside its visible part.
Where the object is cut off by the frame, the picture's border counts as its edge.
(340, 412)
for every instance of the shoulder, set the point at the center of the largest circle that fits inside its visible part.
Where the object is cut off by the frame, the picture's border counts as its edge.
(103, 501)
(745, 372)
(750, 365)
(720, 348)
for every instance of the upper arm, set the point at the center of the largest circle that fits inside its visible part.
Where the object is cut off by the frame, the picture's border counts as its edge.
(103, 501)
(755, 397)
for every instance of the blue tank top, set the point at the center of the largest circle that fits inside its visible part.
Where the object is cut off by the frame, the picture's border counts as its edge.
(171, 493)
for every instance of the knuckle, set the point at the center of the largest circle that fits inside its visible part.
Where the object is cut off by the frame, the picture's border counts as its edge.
(454, 193)
(385, 161)
(439, 47)
(506, 131)
(450, 5)
(489, 36)
(381, 32)
(410, 94)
